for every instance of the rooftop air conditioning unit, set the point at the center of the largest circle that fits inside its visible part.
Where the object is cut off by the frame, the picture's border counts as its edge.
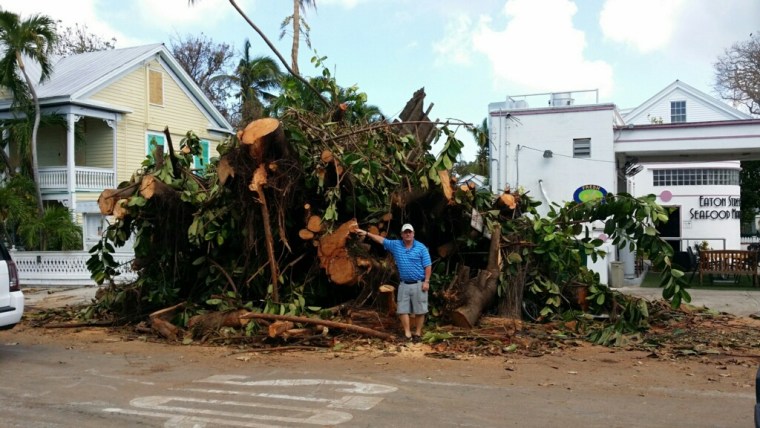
(561, 99)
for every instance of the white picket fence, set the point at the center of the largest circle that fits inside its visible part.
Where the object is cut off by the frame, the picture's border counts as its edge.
(63, 268)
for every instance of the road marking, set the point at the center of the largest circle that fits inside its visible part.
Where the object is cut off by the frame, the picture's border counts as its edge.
(355, 387)
(174, 421)
(194, 412)
(312, 416)
(345, 402)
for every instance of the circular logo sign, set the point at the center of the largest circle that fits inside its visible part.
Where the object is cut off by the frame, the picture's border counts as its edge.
(589, 192)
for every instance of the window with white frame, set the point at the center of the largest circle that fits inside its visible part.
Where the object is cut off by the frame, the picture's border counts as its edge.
(677, 111)
(581, 147)
(695, 177)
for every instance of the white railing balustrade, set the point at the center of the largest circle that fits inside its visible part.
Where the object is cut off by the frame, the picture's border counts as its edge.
(94, 178)
(53, 178)
(64, 268)
(87, 178)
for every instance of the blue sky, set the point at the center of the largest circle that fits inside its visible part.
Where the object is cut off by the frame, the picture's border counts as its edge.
(465, 53)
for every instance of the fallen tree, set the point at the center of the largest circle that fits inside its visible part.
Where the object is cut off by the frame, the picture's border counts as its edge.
(265, 227)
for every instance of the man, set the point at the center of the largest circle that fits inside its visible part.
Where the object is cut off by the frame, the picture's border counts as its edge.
(413, 262)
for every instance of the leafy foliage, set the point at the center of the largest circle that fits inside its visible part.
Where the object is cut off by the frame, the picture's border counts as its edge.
(207, 63)
(737, 74)
(56, 230)
(750, 190)
(77, 39)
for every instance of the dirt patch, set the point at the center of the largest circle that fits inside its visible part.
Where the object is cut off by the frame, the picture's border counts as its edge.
(687, 339)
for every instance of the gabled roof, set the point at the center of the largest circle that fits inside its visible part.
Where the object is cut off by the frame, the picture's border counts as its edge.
(75, 78)
(731, 113)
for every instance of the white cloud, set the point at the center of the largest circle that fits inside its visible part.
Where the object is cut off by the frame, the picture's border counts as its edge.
(68, 12)
(540, 50)
(168, 16)
(646, 25)
(456, 46)
(348, 4)
(180, 13)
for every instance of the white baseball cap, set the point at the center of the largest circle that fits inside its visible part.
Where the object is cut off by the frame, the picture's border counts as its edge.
(407, 226)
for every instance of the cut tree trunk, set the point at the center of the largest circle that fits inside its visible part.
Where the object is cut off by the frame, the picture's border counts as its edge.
(108, 197)
(209, 323)
(306, 234)
(479, 292)
(510, 305)
(224, 170)
(314, 224)
(151, 186)
(278, 327)
(120, 209)
(334, 258)
(329, 324)
(159, 322)
(262, 135)
(389, 292)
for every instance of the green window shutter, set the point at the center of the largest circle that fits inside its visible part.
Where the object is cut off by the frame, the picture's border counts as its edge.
(154, 140)
(202, 160)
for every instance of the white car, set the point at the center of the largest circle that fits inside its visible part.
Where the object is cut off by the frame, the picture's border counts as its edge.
(11, 297)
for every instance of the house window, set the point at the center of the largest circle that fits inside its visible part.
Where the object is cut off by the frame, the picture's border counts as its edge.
(156, 87)
(695, 177)
(581, 147)
(153, 140)
(201, 161)
(677, 111)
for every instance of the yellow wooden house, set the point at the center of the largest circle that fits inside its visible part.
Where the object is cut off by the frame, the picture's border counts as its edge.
(118, 102)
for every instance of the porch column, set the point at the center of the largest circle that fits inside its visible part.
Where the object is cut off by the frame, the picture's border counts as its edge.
(114, 147)
(71, 168)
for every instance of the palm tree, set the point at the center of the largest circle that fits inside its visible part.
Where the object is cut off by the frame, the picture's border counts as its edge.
(482, 138)
(34, 38)
(256, 77)
(298, 24)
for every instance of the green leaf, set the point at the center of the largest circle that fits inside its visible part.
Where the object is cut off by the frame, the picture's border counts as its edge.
(447, 162)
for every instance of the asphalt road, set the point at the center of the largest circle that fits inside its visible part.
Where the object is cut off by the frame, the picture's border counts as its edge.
(107, 382)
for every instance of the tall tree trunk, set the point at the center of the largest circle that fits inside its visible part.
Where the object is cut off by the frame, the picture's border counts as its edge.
(480, 292)
(296, 35)
(35, 127)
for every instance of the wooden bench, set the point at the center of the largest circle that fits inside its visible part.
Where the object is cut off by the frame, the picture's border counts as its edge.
(728, 262)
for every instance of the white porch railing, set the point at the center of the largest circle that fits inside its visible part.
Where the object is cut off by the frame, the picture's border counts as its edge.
(87, 178)
(63, 268)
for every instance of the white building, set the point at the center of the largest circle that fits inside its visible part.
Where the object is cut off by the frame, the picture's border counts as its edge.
(681, 145)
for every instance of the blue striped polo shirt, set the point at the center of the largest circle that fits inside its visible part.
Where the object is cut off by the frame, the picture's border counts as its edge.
(411, 262)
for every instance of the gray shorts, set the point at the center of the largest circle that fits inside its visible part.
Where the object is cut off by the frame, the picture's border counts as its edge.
(411, 299)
